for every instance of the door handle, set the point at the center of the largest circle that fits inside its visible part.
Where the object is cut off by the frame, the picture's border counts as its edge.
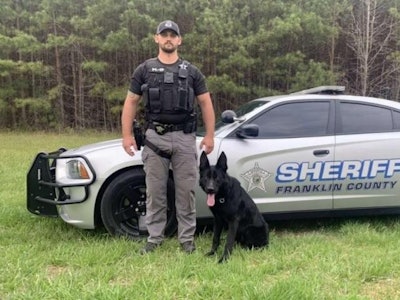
(321, 152)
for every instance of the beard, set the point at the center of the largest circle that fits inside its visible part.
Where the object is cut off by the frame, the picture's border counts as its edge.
(168, 48)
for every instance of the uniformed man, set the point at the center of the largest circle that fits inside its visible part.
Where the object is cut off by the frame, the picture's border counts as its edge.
(171, 89)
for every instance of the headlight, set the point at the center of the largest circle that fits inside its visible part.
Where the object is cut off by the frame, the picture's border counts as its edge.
(73, 171)
(77, 170)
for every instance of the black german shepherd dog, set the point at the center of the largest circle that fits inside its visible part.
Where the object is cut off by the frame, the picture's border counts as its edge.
(231, 206)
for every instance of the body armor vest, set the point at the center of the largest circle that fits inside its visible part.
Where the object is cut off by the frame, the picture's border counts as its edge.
(167, 95)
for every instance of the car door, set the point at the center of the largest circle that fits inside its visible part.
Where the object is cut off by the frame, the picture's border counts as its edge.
(281, 169)
(368, 154)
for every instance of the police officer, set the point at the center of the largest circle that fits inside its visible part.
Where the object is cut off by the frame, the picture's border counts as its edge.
(171, 89)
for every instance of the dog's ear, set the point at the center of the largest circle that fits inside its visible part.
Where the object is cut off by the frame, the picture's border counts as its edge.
(204, 163)
(222, 162)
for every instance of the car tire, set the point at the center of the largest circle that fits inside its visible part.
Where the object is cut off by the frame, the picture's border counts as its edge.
(123, 206)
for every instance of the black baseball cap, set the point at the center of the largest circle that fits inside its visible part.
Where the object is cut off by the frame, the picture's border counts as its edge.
(168, 24)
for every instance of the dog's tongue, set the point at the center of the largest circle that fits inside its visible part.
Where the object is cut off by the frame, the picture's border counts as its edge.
(210, 199)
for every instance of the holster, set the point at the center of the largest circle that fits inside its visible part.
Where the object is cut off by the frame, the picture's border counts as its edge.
(138, 134)
(191, 124)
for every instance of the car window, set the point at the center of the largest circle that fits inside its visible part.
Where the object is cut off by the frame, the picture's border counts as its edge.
(363, 118)
(299, 119)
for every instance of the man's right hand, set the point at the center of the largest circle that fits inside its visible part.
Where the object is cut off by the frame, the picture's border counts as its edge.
(129, 145)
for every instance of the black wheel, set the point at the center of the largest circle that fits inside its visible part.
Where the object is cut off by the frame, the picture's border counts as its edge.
(123, 206)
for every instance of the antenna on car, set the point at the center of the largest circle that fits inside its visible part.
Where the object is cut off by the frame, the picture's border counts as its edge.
(323, 90)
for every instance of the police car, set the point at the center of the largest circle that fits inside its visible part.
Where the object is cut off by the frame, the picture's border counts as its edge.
(314, 153)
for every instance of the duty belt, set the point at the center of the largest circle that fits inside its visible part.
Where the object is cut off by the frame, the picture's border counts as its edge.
(164, 128)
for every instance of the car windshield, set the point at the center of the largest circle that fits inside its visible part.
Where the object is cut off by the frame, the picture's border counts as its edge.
(240, 111)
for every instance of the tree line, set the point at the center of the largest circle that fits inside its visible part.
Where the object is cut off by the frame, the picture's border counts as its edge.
(67, 64)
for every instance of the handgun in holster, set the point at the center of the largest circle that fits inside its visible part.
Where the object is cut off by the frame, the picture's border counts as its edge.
(138, 134)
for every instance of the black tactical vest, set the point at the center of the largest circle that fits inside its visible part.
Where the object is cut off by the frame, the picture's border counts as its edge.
(167, 95)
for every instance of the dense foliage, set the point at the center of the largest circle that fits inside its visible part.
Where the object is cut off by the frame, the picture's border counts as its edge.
(68, 63)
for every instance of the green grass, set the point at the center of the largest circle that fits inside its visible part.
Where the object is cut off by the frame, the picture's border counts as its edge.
(44, 258)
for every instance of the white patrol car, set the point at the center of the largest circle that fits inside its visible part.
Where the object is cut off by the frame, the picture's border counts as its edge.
(317, 153)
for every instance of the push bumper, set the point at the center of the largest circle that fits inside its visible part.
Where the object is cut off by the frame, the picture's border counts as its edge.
(43, 192)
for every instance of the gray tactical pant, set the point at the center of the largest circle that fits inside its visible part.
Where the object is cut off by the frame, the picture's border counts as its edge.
(184, 166)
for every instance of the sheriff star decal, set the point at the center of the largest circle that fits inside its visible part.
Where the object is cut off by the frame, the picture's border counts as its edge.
(256, 178)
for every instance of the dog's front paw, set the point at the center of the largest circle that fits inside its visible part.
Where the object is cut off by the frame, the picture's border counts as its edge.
(223, 259)
(210, 253)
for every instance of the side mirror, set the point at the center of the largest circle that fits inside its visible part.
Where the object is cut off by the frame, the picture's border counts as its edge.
(248, 130)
